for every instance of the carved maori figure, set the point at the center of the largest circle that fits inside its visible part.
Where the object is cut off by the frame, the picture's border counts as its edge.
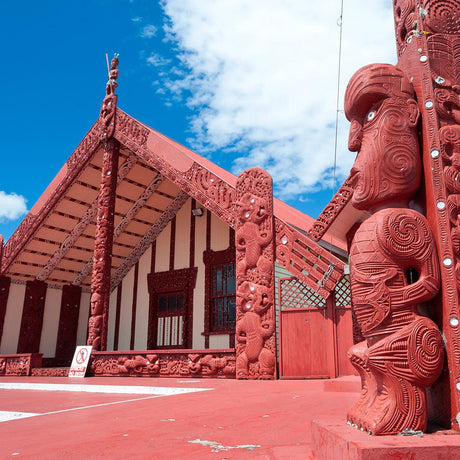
(394, 265)
(100, 280)
(109, 104)
(255, 255)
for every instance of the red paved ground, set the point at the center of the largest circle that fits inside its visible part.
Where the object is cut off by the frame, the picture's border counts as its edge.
(270, 419)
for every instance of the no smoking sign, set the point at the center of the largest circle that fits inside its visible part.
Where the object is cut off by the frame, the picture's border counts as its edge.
(80, 361)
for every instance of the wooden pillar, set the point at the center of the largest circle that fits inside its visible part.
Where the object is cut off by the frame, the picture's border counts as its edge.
(255, 286)
(103, 241)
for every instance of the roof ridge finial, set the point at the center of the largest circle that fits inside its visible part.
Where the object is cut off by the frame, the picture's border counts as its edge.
(109, 104)
(113, 73)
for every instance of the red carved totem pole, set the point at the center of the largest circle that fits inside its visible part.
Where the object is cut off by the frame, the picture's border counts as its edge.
(255, 291)
(394, 253)
(102, 257)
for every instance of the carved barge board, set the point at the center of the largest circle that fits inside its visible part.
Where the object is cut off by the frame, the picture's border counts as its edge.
(32, 222)
(300, 254)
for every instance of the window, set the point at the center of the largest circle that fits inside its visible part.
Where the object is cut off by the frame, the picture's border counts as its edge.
(223, 299)
(220, 292)
(170, 303)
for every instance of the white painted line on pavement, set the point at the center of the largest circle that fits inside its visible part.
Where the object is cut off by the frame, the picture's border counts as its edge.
(120, 389)
(5, 416)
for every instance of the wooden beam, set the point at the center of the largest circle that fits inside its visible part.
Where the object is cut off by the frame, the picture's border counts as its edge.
(79, 228)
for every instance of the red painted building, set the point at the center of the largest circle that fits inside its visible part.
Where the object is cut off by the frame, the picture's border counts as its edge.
(169, 265)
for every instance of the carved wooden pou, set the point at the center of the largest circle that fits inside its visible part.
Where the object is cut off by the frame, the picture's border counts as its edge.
(255, 258)
(394, 264)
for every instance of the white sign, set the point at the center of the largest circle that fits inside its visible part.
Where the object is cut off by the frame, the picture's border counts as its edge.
(80, 361)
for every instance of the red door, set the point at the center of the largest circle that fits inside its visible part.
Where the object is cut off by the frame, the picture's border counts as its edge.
(304, 329)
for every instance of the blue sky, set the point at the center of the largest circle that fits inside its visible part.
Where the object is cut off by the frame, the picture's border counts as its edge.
(243, 82)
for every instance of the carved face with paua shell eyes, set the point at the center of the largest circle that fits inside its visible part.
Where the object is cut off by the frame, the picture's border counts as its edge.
(379, 103)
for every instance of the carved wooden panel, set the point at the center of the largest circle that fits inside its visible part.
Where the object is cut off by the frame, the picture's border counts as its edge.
(68, 323)
(32, 317)
(19, 364)
(160, 363)
(255, 287)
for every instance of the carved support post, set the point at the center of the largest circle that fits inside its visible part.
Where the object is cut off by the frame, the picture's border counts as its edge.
(255, 291)
(102, 259)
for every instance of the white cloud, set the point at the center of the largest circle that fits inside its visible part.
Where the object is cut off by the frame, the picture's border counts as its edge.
(12, 206)
(262, 75)
(148, 31)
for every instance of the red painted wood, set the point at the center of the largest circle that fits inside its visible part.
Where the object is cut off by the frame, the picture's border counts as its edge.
(103, 241)
(303, 344)
(4, 292)
(172, 245)
(169, 282)
(344, 340)
(68, 324)
(32, 317)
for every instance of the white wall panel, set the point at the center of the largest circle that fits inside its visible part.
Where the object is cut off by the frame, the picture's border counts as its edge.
(111, 319)
(162, 250)
(13, 316)
(50, 322)
(198, 294)
(182, 242)
(83, 318)
(219, 341)
(142, 308)
(124, 337)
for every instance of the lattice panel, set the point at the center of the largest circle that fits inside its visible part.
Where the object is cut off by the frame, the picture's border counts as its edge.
(295, 294)
(342, 293)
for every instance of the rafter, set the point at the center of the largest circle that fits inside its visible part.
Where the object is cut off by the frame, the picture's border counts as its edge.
(135, 208)
(161, 223)
(79, 228)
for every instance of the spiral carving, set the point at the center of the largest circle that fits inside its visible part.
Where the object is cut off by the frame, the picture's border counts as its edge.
(399, 165)
(443, 16)
(406, 236)
(425, 352)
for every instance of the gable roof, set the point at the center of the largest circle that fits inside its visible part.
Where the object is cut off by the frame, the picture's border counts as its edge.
(156, 175)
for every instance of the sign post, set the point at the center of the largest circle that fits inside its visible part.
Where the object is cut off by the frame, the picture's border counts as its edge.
(80, 361)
